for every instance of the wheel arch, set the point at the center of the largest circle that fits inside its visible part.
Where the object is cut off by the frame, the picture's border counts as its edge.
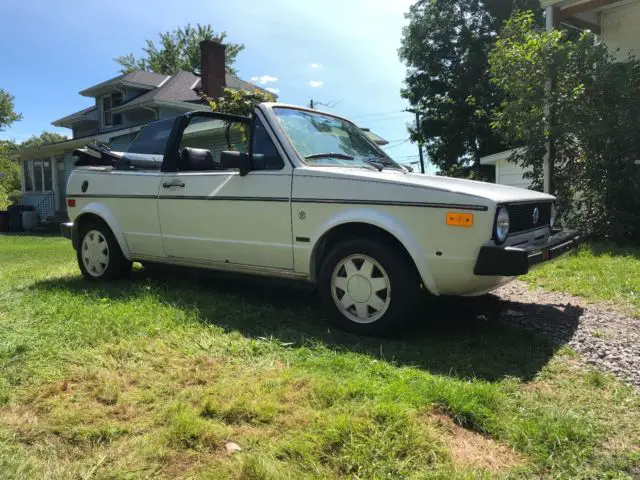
(99, 212)
(366, 225)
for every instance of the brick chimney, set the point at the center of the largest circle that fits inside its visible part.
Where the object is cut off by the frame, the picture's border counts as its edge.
(212, 76)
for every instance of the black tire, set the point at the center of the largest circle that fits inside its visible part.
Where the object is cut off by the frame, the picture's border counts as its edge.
(404, 290)
(116, 266)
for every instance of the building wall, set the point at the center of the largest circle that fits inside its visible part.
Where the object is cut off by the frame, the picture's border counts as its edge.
(120, 144)
(621, 30)
(511, 174)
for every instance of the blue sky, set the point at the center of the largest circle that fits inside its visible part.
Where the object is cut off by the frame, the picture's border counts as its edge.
(343, 52)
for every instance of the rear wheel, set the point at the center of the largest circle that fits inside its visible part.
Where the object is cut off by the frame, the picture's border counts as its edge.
(99, 255)
(369, 287)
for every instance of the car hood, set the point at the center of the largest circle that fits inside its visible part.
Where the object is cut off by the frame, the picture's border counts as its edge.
(491, 191)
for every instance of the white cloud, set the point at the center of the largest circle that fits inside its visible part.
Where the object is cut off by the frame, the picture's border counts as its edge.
(264, 79)
(317, 66)
(273, 90)
(315, 83)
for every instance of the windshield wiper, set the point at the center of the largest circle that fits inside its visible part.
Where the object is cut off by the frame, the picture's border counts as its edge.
(374, 163)
(339, 156)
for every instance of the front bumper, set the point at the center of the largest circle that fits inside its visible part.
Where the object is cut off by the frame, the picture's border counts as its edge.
(514, 261)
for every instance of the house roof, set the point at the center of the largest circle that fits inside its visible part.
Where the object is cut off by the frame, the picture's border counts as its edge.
(88, 114)
(139, 78)
(181, 88)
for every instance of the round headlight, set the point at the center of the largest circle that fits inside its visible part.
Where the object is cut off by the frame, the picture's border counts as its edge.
(552, 219)
(502, 225)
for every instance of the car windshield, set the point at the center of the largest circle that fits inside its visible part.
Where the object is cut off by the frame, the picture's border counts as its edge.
(323, 140)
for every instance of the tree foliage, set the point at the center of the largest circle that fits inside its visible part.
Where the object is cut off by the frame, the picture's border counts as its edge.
(445, 47)
(238, 102)
(9, 171)
(595, 126)
(10, 163)
(178, 50)
(44, 138)
(8, 114)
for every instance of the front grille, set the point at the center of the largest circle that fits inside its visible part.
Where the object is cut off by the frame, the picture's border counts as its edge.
(521, 216)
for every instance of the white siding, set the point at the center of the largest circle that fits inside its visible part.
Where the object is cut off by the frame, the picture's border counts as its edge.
(621, 30)
(511, 174)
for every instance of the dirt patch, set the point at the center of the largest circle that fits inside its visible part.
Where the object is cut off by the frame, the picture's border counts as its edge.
(473, 450)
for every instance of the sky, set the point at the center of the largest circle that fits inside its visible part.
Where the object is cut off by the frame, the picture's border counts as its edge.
(342, 53)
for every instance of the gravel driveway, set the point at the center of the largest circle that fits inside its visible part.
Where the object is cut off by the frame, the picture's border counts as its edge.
(603, 336)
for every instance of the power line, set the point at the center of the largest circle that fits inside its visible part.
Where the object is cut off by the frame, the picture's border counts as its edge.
(388, 118)
(379, 113)
(403, 142)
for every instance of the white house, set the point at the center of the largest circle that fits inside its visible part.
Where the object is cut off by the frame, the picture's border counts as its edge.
(617, 22)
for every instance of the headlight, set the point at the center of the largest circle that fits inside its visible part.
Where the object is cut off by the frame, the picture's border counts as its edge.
(502, 225)
(552, 219)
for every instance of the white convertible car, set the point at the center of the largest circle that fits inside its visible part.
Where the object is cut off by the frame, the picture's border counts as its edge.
(299, 194)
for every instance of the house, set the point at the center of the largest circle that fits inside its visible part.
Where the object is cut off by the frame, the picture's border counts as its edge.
(614, 21)
(121, 107)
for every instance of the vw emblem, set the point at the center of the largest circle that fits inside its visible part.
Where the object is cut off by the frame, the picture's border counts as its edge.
(536, 215)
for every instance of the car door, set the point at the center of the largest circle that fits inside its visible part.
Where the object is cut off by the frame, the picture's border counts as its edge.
(209, 214)
(135, 191)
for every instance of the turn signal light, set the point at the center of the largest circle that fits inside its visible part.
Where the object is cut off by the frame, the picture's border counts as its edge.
(71, 202)
(455, 219)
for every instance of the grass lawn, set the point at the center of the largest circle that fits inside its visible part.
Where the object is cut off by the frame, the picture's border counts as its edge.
(598, 272)
(151, 377)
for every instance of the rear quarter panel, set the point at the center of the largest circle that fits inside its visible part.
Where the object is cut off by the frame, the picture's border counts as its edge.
(127, 201)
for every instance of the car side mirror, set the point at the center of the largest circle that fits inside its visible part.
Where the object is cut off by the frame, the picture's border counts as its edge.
(239, 160)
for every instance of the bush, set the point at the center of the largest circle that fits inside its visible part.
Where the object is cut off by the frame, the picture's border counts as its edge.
(595, 103)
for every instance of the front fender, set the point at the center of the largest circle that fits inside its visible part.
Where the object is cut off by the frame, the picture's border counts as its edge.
(385, 222)
(105, 213)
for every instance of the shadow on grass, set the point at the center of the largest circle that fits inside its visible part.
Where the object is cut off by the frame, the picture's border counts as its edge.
(604, 248)
(458, 337)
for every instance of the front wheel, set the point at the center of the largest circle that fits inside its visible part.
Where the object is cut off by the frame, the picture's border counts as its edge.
(99, 255)
(369, 288)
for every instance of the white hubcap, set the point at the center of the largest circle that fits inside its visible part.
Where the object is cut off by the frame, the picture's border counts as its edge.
(95, 253)
(361, 289)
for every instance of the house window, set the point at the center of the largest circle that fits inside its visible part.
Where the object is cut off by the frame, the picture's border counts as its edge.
(47, 175)
(28, 175)
(38, 175)
(109, 102)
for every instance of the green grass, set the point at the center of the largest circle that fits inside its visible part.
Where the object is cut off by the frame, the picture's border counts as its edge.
(150, 377)
(597, 272)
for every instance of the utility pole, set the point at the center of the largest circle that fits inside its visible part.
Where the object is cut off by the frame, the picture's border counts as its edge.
(419, 132)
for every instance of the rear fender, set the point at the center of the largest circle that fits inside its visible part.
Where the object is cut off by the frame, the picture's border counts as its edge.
(102, 211)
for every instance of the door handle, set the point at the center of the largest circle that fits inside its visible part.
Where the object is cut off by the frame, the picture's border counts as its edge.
(175, 183)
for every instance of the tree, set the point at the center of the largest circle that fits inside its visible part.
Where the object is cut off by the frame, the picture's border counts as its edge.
(7, 112)
(178, 50)
(44, 138)
(595, 103)
(9, 171)
(445, 47)
(238, 102)
(10, 163)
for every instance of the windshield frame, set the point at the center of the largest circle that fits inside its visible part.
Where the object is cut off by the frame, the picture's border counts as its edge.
(381, 156)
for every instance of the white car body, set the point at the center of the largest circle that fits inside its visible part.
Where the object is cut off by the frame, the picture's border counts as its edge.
(274, 223)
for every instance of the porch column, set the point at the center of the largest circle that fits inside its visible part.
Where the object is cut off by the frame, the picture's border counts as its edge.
(54, 182)
(547, 167)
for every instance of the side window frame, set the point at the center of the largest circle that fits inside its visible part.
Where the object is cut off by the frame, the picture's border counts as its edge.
(271, 136)
(171, 157)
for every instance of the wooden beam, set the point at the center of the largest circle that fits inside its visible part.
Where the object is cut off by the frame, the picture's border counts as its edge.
(587, 7)
(583, 25)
